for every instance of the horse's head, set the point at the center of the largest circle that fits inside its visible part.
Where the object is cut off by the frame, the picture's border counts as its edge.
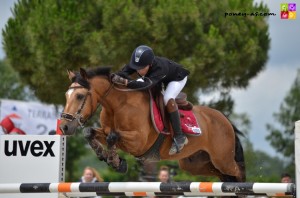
(82, 99)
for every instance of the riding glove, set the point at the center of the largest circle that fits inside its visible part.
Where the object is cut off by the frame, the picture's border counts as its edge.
(119, 80)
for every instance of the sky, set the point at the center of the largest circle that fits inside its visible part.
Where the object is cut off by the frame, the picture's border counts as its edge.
(267, 91)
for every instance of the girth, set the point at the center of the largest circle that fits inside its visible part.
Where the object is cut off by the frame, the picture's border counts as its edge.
(152, 153)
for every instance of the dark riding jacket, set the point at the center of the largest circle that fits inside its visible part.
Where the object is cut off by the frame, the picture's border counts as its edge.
(162, 71)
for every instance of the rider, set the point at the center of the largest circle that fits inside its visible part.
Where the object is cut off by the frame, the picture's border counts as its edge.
(155, 70)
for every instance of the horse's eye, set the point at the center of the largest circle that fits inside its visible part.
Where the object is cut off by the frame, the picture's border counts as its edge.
(79, 96)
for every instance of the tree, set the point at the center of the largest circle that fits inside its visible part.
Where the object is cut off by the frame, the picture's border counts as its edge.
(282, 138)
(260, 166)
(44, 38)
(10, 86)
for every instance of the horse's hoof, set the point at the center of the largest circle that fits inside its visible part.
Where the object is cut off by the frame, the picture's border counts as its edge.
(122, 167)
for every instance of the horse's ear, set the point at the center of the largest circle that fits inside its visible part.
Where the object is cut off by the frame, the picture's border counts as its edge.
(70, 74)
(83, 73)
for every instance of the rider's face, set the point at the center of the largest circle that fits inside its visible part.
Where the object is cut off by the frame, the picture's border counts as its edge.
(143, 71)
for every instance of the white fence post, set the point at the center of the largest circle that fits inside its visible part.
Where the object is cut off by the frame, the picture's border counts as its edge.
(297, 156)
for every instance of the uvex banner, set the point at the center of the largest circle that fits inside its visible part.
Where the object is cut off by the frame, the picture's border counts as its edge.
(32, 158)
(31, 117)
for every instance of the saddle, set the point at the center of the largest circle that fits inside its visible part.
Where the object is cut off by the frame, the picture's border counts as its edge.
(181, 101)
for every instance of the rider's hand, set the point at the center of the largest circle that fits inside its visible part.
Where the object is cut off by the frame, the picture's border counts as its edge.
(119, 80)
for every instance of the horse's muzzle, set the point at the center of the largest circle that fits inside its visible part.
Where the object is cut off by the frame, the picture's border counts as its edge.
(68, 128)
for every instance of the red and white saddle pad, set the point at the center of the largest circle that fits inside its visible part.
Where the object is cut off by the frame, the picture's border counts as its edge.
(189, 124)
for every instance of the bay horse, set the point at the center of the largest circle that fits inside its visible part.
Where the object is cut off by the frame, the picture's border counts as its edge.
(126, 125)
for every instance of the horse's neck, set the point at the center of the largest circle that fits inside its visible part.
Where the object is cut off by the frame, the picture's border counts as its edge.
(111, 98)
(117, 98)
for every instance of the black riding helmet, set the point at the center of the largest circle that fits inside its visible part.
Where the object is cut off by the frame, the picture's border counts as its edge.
(141, 57)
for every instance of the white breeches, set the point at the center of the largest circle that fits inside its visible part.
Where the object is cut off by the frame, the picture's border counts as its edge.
(173, 89)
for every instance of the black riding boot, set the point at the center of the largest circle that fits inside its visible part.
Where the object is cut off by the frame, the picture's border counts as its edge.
(179, 138)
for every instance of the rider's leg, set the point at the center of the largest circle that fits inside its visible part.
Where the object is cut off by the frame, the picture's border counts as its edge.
(172, 90)
(179, 138)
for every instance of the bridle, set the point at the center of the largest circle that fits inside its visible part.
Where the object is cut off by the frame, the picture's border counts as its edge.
(78, 116)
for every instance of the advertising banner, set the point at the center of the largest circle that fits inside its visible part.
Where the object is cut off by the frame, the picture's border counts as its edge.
(31, 118)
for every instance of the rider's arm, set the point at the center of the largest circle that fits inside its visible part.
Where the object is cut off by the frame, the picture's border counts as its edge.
(154, 76)
(145, 83)
(139, 84)
(126, 72)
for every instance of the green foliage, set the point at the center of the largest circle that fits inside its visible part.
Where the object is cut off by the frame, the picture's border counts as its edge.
(282, 138)
(260, 166)
(75, 149)
(44, 38)
(132, 174)
(10, 86)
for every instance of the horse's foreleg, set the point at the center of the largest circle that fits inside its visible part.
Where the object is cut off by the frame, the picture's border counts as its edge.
(113, 158)
(89, 134)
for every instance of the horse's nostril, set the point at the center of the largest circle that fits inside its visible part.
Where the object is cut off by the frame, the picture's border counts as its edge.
(64, 128)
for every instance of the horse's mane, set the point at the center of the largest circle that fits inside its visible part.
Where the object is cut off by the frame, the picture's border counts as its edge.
(99, 71)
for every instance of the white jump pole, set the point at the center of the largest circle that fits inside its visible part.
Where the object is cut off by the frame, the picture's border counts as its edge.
(155, 188)
(297, 156)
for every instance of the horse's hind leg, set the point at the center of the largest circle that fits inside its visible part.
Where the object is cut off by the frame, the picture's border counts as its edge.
(232, 164)
(229, 168)
(199, 164)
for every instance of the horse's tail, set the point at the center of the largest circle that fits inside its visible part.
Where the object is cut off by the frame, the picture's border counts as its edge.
(239, 151)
